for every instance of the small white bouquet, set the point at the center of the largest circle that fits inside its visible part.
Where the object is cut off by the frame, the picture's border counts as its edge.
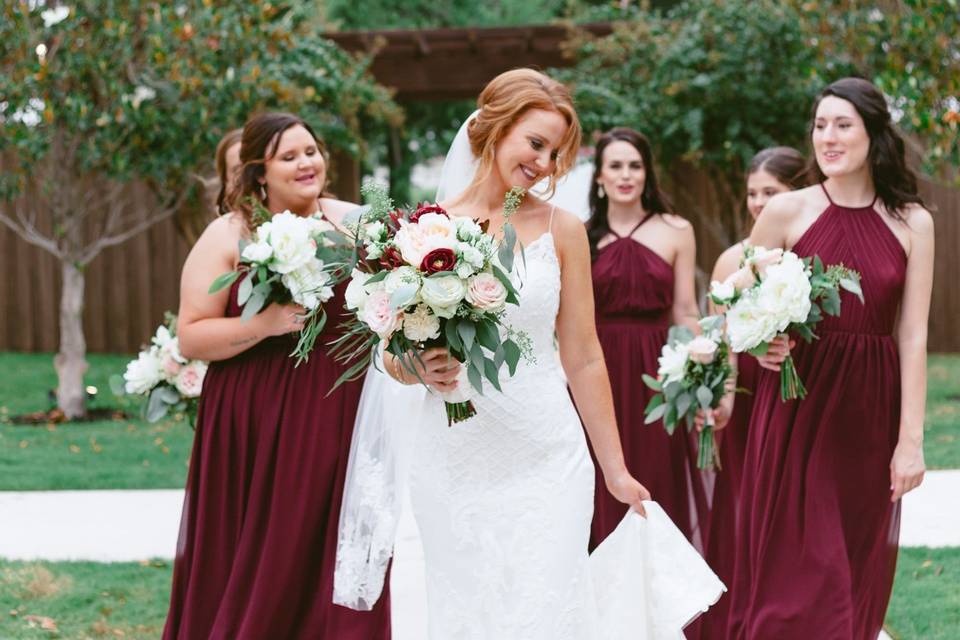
(425, 279)
(163, 376)
(776, 292)
(290, 258)
(693, 374)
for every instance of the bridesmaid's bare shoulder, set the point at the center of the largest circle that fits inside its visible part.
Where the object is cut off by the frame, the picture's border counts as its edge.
(224, 232)
(335, 209)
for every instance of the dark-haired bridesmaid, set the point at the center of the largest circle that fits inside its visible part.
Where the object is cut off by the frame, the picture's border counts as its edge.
(823, 477)
(643, 281)
(255, 558)
(772, 171)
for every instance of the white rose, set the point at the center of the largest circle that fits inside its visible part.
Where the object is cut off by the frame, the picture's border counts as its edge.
(144, 373)
(356, 294)
(673, 362)
(403, 276)
(702, 349)
(421, 324)
(785, 291)
(259, 252)
(379, 315)
(467, 228)
(722, 292)
(443, 294)
(486, 292)
(189, 381)
(309, 285)
(411, 243)
(292, 242)
(748, 325)
(469, 253)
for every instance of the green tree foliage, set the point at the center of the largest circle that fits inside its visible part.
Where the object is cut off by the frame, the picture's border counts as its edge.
(709, 83)
(911, 50)
(102, 93)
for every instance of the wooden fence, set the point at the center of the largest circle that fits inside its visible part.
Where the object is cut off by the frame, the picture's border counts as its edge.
(131, 285)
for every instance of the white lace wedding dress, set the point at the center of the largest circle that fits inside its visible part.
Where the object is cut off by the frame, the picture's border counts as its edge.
(504, 500)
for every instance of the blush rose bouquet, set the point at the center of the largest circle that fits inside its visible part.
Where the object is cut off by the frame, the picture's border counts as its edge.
(422, 279)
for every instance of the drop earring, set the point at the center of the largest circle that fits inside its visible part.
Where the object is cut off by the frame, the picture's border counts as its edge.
(600, 192)
(263, 192)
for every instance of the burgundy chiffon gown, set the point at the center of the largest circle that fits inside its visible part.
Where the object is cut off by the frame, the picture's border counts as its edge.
(633, 292)
(721, 541)
(817, 532)
(258, 537)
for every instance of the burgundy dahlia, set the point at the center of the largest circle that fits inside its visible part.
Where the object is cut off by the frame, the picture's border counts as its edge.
(427, 208)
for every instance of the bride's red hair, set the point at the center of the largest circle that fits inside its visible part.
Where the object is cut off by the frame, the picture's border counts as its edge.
(505, 100)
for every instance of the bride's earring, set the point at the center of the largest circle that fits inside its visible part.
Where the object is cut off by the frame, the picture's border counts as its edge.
(600, 192)
(263, 192)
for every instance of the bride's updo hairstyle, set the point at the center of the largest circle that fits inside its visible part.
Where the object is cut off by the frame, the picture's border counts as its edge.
(506, 99)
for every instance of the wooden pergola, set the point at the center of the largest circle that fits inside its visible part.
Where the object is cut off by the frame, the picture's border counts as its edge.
(423, 65)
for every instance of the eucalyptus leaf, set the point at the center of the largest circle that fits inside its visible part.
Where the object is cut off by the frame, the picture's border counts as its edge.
(223, 281)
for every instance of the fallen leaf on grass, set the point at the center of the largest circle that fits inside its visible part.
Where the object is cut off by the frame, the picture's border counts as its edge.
(45, 623)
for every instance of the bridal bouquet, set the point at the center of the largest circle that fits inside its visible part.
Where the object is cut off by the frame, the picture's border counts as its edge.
(775, 292)
(290, 258)
(425, 279)
(164, 376)
(693, 375)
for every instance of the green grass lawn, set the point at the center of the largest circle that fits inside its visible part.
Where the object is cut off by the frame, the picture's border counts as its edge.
(107, 454)
(129, 600)
(942, 427)
(83, 599)
(926, 595)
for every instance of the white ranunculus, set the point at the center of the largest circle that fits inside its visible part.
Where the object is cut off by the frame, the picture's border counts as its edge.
(309, 285)
(258, 252)
(486, 292)
(189, 382)
(672, 363)
(443, 294)
(722, 292)
(402, 277)
(379, 315)
(144, 373)
(291, 237)
(356, 294)
(421, 324)
(702, 349)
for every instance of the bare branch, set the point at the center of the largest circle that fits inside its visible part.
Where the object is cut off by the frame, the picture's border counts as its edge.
(31, 235)
(147, 221)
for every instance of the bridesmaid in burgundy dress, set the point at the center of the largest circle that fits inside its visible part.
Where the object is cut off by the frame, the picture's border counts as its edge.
(259, 531)
(772, 171)
(643, 281)
(823, 476)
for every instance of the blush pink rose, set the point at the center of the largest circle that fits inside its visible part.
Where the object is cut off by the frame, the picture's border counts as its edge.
(763, 258)
(380, 315)
(742, 278)
(702, 349)
(486, 292)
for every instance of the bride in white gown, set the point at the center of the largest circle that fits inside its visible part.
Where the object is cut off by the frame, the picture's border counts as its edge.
(504, 500)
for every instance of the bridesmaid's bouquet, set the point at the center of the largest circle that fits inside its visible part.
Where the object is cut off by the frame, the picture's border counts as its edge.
(164, 377)
(776, 292)
(693, 375)
(425, 279)
(290, 258)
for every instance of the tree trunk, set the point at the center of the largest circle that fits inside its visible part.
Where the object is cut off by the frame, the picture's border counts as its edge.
(71, 362)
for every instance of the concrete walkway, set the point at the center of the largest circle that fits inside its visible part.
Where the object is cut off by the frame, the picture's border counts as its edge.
(112, 526)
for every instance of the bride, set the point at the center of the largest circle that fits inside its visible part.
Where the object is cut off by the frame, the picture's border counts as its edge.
(504, 500)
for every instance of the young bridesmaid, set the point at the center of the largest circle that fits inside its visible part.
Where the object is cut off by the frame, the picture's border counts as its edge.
(823, 477)
(772, 171)
(259, 531)
(643, 281)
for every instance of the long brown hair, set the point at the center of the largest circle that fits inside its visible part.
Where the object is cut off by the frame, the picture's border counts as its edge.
(261, 137)
(505, 100)
(653, 199)
(231, 138)
(894, 181)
